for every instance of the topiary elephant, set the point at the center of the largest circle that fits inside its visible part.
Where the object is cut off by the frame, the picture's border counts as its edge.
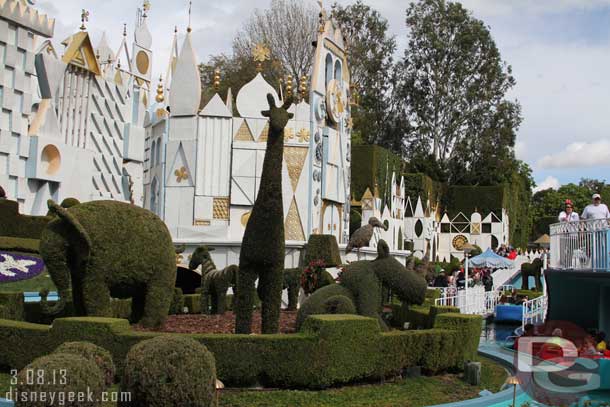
(108, 248)
(361, 286)
(531, 269)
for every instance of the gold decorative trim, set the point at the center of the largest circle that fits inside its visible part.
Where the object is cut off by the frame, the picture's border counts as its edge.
(244, 133)
(245, 217)
(201, 222)
(264, 134)
(181, 174)
(295, 160)
(293, 225)
(220, 208)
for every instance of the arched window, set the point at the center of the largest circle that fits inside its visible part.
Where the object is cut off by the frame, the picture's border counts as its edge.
(153, 154)
(338, 70)
(154, 195)
(158, 154)
(329, 69)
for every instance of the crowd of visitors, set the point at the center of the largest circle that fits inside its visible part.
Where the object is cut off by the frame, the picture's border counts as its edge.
(592, 345)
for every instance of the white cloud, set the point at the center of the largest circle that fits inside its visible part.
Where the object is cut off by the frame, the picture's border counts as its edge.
(503, 8)
(548, 183)
(578, 155)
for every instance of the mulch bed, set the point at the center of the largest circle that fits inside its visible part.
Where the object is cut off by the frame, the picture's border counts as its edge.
(219, 324)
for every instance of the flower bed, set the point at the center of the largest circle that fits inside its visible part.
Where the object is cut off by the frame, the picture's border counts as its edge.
(15, 267)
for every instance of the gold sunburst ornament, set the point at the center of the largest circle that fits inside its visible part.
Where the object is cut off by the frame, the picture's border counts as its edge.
(181, 174)
(260, 53)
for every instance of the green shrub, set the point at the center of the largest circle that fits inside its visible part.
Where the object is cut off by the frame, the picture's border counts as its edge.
(418, 317)
(329, 350)
(467, 326)
(193, 303)
(317, 303)
(19, 244)
(177, 304)
(438, 310)
(433, 294)
(61, 374)
(292, 282)
(323, 247)
(13, 305)
(169, 371)
(14, 224)
(98, 355)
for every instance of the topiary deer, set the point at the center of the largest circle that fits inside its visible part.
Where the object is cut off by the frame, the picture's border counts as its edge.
(262, 249)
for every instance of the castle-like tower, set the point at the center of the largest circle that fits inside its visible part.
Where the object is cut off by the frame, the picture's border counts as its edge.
(203, 163)
(75, 127)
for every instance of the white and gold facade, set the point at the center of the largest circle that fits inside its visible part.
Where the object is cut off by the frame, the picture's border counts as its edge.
(203, 163)
(72, 122)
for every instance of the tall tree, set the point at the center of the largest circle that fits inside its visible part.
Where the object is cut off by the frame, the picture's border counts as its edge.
(370, 50)
(287, 27)
(452, 84)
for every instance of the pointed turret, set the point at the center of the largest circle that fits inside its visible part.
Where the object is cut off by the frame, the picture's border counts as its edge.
(185, 95)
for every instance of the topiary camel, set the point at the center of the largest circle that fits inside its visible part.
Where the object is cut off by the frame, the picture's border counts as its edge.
(263, 246)
(361, 285)
(531, 269)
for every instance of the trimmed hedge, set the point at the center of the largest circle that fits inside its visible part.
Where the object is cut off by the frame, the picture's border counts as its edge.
(169, 371)
(323, 247)
(177, 304)
(418, 316)
(13, 305)
(193, 303)
(330, 349)
(468, 327)
(81, 376)
(14, 224)
(98, 355)
(19, 244)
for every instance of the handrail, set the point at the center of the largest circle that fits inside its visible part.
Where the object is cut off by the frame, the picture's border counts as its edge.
(582, 245)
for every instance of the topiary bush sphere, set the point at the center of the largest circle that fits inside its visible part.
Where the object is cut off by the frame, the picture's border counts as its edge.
(100, 356)
(58, 375)
(169, 371)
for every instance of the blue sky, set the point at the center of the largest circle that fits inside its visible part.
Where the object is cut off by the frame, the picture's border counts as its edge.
(559, 51)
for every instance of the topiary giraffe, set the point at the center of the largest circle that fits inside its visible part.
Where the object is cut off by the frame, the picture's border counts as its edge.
(262, 249)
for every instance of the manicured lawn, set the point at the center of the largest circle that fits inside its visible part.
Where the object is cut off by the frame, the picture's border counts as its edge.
(43, 280)
(413, 392)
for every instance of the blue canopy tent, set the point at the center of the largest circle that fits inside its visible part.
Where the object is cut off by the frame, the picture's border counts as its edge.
(490, 259)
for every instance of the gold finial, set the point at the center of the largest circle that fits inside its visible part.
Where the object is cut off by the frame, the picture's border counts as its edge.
(289, 86)
(84, 17)
(188, 29)
(160, 98)
(97, 54)
(145, 8)
(322, 15)
(217, 79)
(261, 54)
(118, 64)
(303, 86)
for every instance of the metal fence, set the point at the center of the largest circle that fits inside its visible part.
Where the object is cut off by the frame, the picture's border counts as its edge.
(580, 245)
(474, 301)
(534, 311)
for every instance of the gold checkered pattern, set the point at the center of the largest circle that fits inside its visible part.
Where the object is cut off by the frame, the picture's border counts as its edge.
(220, 208)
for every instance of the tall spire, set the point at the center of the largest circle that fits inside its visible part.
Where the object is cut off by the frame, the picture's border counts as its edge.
(185, 94)
(171, 64)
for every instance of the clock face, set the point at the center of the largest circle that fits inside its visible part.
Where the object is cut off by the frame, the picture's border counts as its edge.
(336, 101)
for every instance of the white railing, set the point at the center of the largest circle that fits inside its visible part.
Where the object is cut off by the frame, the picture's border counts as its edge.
(475, 301)
(534, 311)
(580, 245)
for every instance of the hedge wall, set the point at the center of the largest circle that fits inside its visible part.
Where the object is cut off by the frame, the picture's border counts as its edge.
(418, 316)
(13, 224)
(373, 165)
(19, 244)
(329, 350)
(469, 328)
